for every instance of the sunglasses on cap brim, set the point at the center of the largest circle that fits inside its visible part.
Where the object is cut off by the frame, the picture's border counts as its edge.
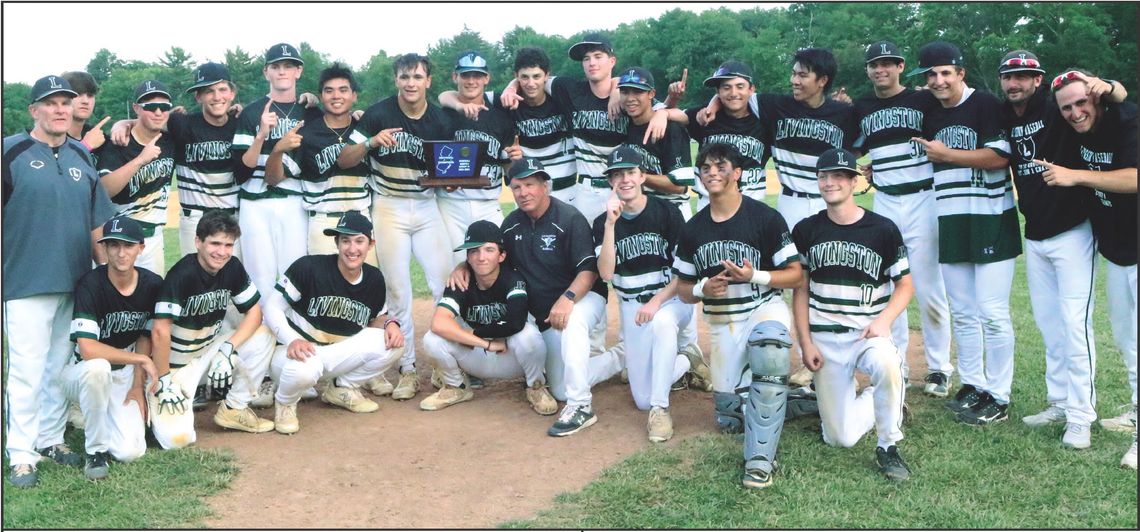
(156, 106)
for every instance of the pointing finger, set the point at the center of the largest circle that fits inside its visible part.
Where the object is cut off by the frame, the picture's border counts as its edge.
(267, 104)
(155, 139)
(516, 140)
(920, 140)
(103, 121)
(684, 76)
(1044, 163)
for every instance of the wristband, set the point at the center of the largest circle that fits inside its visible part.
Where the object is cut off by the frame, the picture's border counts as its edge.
(391, 321)
(88, 146)
(761, 277)
(1111, 86)
(570, 295)
(699, 288)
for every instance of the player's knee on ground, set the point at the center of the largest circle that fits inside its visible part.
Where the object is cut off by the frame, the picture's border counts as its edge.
(128, 452)
(768, 352)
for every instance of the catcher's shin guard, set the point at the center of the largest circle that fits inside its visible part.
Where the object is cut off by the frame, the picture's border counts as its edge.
(768, 352)
(729, 410)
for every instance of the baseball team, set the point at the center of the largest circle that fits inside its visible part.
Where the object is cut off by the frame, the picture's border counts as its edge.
(329, 208)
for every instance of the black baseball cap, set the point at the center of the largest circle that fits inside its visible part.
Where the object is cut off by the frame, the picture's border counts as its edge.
(638, 78)
(208, 74)
(526, 167)
(481, 232)
(1020, 61)
(471, 61)
(837, 159)
(151, 87)
(881, 49)
(624, 157)
(591, 40)
(937, 53)
(48, 85)
(351, 223)
(122, 228)
(283, 52)
(728, 70)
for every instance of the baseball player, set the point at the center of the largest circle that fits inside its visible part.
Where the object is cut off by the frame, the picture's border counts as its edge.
(329, 313)
(492, 125)
(978, 236)
(137, 176)
(857, 283)
(272, 215)
(189, 339)
(736, 255)
(733, 124)
(406, 216)
(83, 106)
(1102, 157)
(50, 193)
(904, 182)
(635, 241)
(485, 330)
(1060, 253)
(111, 331)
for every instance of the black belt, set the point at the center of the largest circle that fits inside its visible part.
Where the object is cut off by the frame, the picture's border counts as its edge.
(909, 192)
(329, 214)
(596, 182)
(787, 192)
(187, 212)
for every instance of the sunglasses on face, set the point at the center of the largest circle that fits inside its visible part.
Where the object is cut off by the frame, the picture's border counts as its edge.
(1019, 62)
(154, 107)
(1070, 75)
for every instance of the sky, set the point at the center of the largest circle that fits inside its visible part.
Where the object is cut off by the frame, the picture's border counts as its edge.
(144, 30)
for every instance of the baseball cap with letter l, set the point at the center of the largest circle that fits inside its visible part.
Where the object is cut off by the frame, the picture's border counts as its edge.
(637, 78)
(1020, 61)
(48, 85)
(151, 87)
(283, 52)
(837, 159)
(481, 232)
(351, 223)
(937, 53)
(589, 42)
(208, 74)
(471, 61)
(624, 157)
(882, 49)
(728, 70)
(526, 167)
(122, 228)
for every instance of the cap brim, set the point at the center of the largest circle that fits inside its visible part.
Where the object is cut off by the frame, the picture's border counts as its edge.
(471, 245)
(1021, 69)
(122, 238)
(620, 166)
(917, 71)
(885, 56)
(639, 86)
(715, 81)
(145, 94)
(57, 91)
(577, 52)
(297, 59)
(533, 173)
(844, 168)
(334, 231)
(201, 84)
(461, 70)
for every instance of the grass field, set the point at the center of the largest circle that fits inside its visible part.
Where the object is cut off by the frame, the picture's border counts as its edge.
(1005, 476)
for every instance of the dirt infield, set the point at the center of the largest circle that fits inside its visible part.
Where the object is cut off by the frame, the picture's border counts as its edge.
(473, 465)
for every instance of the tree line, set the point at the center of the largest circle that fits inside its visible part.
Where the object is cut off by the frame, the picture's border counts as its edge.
(1100, 37)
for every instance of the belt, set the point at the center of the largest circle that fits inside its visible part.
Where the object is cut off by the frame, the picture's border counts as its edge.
(787, 192)
(909, 192)
(187, 211)
(330, 214)
(596, 182)
(564, 183)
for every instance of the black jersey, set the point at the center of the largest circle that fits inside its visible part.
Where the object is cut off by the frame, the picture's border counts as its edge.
(798, 134)
(886, 126)
(497, 312)
(1037, 134)
(851, 269)
(495, 127)
(670, 156)
(144, 197)
(644, 247)
(757, 233)
(197, 302)
(203, 162)
(396, 170)
(549, 253)
(594, 135)
(328, 188)
(544, 133)
(252, 180)
(1111, 146)
(107, 316)
(747, 134)
(325, 308)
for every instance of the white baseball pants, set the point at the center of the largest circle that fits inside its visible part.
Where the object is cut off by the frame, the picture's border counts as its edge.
(591, 200)
(730, 343)
(845, 416)
(271, 236)
(917, 220)
(110, 426)
(187, 229)
(525, 357)
(570, 370)
(651, 354)
(352, 362)
(795, 208)
(459, 213)
(405, 227)
(979, 307)
(1121, 285)
(35, 410)
(153, 255)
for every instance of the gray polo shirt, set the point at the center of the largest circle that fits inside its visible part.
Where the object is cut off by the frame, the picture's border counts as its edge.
(52, 201)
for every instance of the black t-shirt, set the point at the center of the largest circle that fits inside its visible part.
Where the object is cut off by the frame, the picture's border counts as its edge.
(103, 314)
(886, 126)
(145, 196)
(327, 186)
(670, 156)
(324, 307)
(497, 312)
(747, 134)
(396, 170)
(252, 180)
(798, 134)
(204, 162)
(644, 247)
(594, 134)
(196, 302)
(544, 133)
(495, 127)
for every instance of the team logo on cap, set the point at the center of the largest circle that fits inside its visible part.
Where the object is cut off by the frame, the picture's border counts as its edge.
(617, 157)
(841, 160)
(149, 86)
(115, 226)
(54, 83)
(883, 49)
(530, 165)
(201, 76)
(343, 222)
(285, 51)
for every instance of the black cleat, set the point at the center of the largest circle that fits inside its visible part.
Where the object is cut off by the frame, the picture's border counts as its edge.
(97, 466)
(985, 412)
(891, 464)
(965, 399)
(61, 454)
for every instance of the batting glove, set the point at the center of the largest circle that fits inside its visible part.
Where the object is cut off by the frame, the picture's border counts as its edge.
(221, 374)
(170, 398)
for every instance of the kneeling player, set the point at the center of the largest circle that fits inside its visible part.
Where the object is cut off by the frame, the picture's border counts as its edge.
(331, 317)
(636, 239)
(503, 342)
(190, 340)
(858, 283)
(736, 255)
(111, 331)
